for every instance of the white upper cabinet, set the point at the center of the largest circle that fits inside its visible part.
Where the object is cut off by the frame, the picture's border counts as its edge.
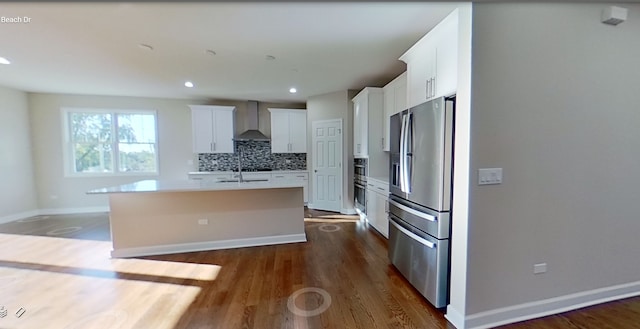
(288, 130)
(212, 127)
(395, 100)
(367, 120)
(432, 63)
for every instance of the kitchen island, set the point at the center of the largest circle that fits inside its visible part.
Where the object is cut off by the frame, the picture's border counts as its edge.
(153, 217)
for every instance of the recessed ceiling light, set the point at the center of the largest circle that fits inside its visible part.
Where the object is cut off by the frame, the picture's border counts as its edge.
(188, 84)
(4, 61)
(269, 57)
(145, 46)
(293, 90)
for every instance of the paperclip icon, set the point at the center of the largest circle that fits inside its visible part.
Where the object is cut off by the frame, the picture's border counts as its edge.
(20, 312)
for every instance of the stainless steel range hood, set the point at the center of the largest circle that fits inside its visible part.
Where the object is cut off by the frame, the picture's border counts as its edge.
(252, 133)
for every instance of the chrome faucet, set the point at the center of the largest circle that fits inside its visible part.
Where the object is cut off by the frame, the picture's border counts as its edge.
(240, 180)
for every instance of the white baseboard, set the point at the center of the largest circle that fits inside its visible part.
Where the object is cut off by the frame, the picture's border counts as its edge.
(26, 214)
(345, 211)
(52, 211)
(63, 211)
(455, 317)
(527, 311)
(208, 245)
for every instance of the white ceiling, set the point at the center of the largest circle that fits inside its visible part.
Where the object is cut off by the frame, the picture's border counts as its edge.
(93, 48)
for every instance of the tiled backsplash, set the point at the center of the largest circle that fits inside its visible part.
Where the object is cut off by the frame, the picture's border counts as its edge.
(255, 155)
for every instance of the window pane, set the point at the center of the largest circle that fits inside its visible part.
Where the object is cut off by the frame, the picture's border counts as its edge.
(91, 127)
(93, 157)
(140, 128)
(110, 141)
(137, 157)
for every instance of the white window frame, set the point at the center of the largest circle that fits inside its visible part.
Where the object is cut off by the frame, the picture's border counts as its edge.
(67, 149)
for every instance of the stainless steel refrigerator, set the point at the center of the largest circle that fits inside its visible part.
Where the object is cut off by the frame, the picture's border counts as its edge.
(420, 182)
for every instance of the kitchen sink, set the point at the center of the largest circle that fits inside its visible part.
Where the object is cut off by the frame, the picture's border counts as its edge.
(249, 180)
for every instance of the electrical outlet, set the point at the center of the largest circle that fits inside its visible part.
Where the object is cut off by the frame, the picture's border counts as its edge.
(203, 221)
(539, 268)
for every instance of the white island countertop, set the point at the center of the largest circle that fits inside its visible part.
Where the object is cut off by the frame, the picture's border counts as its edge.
(191, 185)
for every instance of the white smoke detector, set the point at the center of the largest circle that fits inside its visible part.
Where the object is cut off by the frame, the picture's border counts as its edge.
(614, 15)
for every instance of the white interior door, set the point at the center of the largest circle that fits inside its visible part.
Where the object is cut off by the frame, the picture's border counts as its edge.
(327, 164)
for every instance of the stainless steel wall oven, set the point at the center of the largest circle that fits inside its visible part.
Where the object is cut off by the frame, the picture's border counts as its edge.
(360, 184)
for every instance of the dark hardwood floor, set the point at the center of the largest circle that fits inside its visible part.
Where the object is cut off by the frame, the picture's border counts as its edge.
(340, 278)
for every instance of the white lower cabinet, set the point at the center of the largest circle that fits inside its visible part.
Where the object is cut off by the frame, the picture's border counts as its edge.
(302, 177)
(377, 206)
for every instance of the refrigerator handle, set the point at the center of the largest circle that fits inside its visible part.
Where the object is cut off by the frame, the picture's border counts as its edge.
(413, 211)
(405, 175)
(402, 153)
(412, 235)
(408, 149)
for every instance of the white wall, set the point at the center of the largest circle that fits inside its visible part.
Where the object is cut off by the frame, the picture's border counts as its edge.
(17, 187)
(57, 193)
(460, 206)
(556, 103)
(335, 105)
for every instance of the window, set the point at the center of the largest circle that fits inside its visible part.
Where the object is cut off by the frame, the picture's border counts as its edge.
(110, 142)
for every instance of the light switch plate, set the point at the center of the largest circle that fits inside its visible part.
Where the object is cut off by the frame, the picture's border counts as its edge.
(489, 176)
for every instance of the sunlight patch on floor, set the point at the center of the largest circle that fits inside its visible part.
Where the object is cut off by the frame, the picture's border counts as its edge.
(61, 300)
(27, 251)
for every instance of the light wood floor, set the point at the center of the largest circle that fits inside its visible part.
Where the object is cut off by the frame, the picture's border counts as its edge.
(64, 278)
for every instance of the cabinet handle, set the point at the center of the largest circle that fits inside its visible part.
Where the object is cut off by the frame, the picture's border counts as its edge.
(428, 89)
(433, 87)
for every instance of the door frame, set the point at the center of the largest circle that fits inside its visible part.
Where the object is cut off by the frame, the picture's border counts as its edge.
(341, 175)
